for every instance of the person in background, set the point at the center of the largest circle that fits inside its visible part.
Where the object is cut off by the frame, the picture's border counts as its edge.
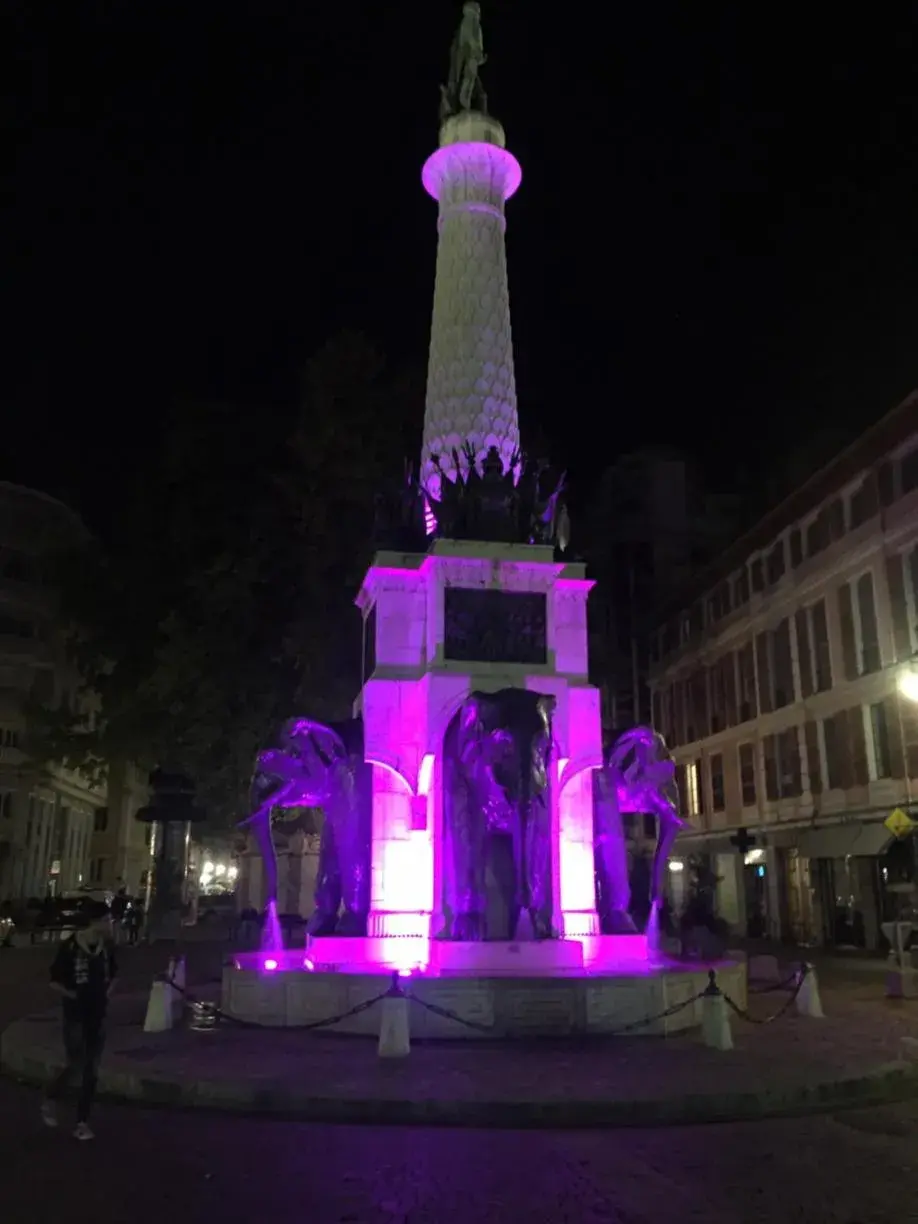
(83, 973)
(119, 909)
(133, 920)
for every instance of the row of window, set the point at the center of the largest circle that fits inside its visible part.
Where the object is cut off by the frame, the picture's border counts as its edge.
(760, 676)
(879, 488)
(851, 748)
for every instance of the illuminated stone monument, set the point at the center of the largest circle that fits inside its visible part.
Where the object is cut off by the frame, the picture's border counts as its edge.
(459, 800)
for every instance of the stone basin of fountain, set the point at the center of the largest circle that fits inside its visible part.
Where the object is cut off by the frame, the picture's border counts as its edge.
(594, 985)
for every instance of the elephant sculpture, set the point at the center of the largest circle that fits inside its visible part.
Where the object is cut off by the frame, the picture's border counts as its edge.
(496, 753)
(318, 765)
(639, 775)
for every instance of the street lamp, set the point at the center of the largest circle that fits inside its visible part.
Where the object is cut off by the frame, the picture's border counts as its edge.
(908, 684)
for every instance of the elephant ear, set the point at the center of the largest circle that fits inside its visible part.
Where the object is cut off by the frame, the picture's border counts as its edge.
(310, 739)
(471, 727)
(546, 706)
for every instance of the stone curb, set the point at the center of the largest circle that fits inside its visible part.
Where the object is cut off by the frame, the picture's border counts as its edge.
(886, 1084)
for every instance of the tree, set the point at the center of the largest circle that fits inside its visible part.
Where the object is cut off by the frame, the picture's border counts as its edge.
(224, 603)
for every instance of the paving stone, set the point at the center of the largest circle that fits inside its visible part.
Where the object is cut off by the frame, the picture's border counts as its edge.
(151, 1165)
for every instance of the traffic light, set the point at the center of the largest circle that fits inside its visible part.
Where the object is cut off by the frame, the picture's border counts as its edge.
(743, 840)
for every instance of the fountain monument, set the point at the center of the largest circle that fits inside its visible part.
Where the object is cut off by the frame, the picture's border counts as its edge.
(469, 807)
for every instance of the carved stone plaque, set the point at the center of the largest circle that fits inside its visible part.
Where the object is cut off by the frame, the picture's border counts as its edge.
(495, 626)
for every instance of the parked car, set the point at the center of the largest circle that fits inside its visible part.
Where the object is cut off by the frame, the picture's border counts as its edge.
(7, 930)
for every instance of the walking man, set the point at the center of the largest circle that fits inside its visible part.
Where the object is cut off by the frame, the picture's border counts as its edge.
(83, 973)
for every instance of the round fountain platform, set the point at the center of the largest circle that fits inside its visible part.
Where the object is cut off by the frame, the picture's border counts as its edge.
(491, 989)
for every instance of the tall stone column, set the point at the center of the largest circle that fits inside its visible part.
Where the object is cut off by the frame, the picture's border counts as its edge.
(471, 391)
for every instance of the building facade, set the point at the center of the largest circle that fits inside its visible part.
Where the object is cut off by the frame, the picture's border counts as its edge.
(778, 685)
(121, 847)
(51, 818)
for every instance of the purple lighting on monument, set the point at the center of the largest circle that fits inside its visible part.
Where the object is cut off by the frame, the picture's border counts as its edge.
(272, 939)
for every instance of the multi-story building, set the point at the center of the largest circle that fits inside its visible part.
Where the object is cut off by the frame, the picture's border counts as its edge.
(650, 525)
(121, 847)
(50, 817)
(781, 686)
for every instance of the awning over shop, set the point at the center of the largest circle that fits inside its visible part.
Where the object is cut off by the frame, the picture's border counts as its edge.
(691, 842)
(840, 841)
(866, 839)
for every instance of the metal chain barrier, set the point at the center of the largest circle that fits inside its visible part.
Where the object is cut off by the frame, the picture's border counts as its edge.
(788, 984)
(213, 1013)
(207, 1015)
(744, 1014)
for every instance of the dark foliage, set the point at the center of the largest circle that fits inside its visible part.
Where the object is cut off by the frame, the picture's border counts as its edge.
(224, 602)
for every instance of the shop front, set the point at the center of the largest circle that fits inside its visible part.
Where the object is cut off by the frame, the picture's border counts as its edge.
(843, 873)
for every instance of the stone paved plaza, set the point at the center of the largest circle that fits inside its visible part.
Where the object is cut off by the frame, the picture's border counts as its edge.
(148, 1164)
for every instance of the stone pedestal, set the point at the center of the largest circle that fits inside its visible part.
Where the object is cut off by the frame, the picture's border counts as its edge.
(418, 683)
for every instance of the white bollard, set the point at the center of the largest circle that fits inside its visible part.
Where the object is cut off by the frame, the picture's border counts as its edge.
(808, 1000)
(715, 1018)
(160, 1015)
(394, 1032)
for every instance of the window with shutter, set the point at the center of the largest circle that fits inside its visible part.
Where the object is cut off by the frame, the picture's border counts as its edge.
(699, 776)
(729, 668)
(748, 706)
(846, 622)
(770, 758)
(775, 565)
(867, 625)
(899, 606)
(865, 501)
(747, 773)
(837, 524)
(682, 788)
(783, 669)
(911, 591)
(886, 481)
(763, 667)
(877, 739)
(819, 638)
(857, 748)
(908, 471)
(788, 749)
(896, 747)
(813, 763)
(718, 801)
(718, 698)
(818, 533)
(805, 662)
(834, 751)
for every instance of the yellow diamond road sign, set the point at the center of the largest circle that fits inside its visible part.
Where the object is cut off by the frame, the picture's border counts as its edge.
(899, 823)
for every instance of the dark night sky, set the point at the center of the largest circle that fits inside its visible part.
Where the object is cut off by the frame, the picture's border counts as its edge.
(718, 217)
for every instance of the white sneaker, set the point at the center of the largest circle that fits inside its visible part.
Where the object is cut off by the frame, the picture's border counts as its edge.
(49, 1113)
(83, 1130)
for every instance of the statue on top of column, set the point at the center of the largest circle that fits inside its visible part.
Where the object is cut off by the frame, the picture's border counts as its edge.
(464, 92)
